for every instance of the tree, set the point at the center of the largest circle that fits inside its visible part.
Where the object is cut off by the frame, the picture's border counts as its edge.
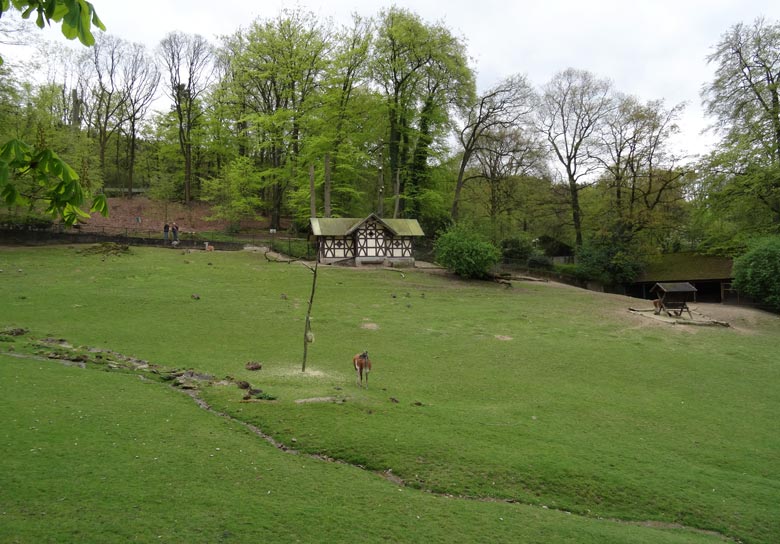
(277, 70)
(757, 272)
(346, 127)
(109, 94)
(423, 72)
(500, 108)
(235, 194)
(188, 63)
(571, 113)
(142, 79)
(744, 99)
(505, 158)
(643, 179)
(63, 194)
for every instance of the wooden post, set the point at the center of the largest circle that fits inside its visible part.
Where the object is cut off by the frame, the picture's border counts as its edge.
(308, 337)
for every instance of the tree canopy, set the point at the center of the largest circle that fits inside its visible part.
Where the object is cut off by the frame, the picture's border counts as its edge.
(294, 114)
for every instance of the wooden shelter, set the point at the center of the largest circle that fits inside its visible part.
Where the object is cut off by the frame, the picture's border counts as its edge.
(673, 298)
(710, 275)
(373, 240)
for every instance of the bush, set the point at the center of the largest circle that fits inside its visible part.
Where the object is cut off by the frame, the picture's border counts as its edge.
(757, 272)
(517, 249)
(608, 260)
(465, 253)
(540, 261)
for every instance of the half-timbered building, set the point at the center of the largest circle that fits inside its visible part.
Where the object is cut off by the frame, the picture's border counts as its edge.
(373, 240)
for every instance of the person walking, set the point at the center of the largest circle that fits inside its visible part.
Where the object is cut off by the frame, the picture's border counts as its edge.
(175, 230)
(166, 228)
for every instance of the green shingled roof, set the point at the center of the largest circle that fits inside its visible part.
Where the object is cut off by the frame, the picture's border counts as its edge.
(686, 267)
(341, 226)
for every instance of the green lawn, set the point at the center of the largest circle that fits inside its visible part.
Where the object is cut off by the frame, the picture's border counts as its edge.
(555, 399)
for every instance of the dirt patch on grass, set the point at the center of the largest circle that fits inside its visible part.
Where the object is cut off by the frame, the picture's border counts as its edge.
(319, 399)
(739, 318)
(369, 326)
(503, 337)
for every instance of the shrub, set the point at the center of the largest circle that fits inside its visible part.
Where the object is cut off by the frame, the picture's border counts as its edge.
(608, 260)
(540, 261)
(757, 272)
(465, 253)
(517, 249)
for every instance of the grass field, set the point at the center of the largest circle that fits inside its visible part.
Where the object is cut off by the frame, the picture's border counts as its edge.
(539, 413)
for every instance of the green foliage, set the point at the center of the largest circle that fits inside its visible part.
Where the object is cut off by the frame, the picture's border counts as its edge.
(466, 253)
(540, 261)
(518, 248)
(53, 181)
(234, 194)
(76, 16)
(757, 272)
(609, 260)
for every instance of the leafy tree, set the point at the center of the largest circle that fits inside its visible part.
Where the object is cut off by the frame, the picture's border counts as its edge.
(235, 194)
(643, 178)
(518, 248)
(757, 272)
(609, 258)
(465, 253)
(744, 99)
(423, 73)
(277, 69)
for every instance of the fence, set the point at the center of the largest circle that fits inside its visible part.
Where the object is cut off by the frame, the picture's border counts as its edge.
(27, 234)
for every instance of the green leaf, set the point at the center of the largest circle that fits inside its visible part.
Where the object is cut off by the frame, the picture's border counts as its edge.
(9, 194)
(100, 204)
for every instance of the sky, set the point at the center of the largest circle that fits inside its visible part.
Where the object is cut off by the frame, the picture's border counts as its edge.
(653, 49)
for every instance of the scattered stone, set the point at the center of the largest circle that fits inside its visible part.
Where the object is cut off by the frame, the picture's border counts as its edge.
(417, 403)
(394, 400)
(254, 365)
(195, 297)
(15, 332)
(283, 296)
(242, 384)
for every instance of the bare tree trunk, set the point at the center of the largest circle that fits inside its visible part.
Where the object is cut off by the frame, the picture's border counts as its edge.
(380, 208)
(312, 194)
(397, 207)
(326, 189)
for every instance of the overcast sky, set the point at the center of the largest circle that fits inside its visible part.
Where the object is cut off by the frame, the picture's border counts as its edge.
(654, 49)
